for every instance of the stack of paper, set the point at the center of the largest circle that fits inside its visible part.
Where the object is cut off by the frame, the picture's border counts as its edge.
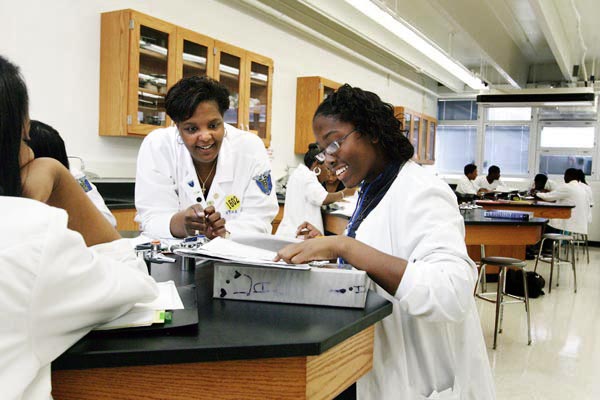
(143, 314)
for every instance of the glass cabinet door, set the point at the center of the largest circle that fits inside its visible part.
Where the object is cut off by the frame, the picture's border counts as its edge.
(430, 154)
(228, 70)
(154, 73)
(414, 135)
(194, 54)
(259, 117)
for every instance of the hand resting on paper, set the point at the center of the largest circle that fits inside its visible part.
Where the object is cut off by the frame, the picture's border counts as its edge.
(322, 248)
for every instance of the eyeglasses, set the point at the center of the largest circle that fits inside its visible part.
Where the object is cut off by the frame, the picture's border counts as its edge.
(333, 147)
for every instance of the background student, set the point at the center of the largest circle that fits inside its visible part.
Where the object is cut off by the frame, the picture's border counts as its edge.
(202, 175)
(467, 185)
(542, 184)
(305, 195)
(570, 192)
(491, 182)
(54, 289)
(45, 141)
(408, 235)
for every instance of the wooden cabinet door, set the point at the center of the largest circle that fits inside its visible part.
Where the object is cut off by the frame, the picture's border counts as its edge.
(229, 69)
(137, 66)
(310, 92)
(194, 54)
(151, 72)
(257, 97)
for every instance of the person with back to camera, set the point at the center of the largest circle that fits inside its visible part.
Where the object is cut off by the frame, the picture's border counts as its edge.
(45, 141)
(408, 235)
(305, 195)
(54, 288)
(588, 192)
(202, 176)
(571, 192)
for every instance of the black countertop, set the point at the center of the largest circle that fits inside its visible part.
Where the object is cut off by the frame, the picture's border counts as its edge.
(228, 330)
(475, 217)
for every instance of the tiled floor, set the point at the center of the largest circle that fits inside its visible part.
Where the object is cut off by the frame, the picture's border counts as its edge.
(563, 361)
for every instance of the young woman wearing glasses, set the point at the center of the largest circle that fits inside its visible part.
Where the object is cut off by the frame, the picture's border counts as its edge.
(408, 235)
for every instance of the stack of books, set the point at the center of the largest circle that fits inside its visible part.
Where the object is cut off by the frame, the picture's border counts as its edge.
(505, 214)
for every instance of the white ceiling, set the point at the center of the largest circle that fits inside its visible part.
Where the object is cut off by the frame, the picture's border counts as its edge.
(509, 43)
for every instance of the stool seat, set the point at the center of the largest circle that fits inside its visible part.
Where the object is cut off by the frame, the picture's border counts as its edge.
(556, 236)
(503, 261)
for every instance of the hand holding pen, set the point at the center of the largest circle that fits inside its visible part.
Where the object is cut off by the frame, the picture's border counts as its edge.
(204, 221)
(307, 231)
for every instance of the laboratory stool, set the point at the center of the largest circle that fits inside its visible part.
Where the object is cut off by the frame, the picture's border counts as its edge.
(581, 240)
(557, 240)
(504, 263)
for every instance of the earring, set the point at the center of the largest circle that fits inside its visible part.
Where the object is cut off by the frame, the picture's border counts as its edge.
(317, 171)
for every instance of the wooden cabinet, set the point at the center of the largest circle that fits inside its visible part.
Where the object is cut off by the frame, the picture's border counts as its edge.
(310, 92)
(248, 77)
(141, 57)
(420, 129)
(125, 219)
(136, 69)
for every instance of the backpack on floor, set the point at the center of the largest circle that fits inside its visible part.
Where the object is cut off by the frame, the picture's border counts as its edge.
(514, 283)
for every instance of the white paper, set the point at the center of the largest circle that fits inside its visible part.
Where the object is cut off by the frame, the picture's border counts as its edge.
(225, 249)
(142, 314)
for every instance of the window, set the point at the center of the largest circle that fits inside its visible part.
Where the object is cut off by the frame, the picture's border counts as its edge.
(456, 147)
(566, 144)
(456, 136)
(507, 146)
(509, 114)
(457, 110)
(567, 137)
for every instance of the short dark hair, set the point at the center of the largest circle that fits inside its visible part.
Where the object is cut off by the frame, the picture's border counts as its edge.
(311, 155)
(540, 180)
(494, 169)
(470, 168)
(571, 174)
(370, 116)
(45, 141)
(581, 176)
(14, 112)
(183, 98)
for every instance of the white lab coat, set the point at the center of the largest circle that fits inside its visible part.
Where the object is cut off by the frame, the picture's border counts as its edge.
(466, 186)
(590, 198)
(93, 194)
(574, 194)
(54, 290)
(166, 183)
(433, 340)
(549, 186)
(482, 183)
(303, 199)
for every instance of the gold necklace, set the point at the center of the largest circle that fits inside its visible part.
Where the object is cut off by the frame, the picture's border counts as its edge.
(203, 181)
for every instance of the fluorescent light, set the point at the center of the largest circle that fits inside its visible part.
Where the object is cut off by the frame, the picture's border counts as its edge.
(402, 30)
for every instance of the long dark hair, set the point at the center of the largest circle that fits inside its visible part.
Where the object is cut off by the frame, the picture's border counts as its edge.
(45, 141)
(370, 116)
(14, 111)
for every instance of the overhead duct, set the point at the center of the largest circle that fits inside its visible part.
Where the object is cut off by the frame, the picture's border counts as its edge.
(539, 98)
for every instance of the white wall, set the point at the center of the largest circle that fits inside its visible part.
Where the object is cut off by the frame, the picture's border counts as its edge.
(57, 45)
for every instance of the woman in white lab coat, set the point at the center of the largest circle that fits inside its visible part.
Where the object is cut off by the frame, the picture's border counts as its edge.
(408, 235)
(45, 141)
(305, 195)
(54, 289)
(202, 176)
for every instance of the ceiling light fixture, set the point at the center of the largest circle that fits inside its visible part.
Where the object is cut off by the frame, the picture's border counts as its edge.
(409, 35)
